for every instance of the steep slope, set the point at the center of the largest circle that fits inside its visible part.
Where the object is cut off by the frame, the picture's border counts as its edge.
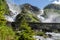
(30, 12)
(28, 16)
(30, 8)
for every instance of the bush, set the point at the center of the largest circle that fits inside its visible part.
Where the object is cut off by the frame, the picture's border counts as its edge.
(6, 33)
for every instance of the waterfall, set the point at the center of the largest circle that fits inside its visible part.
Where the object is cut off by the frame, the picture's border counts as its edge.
(54, 36)
(52, 17)
(15, 10)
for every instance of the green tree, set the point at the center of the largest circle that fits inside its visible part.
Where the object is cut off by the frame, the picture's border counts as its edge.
(6, 33)
(3, 10)
(25, 30)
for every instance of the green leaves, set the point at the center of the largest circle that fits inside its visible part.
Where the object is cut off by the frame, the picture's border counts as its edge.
(25, 31)
(24, 35)
(3, 10)
(6, 33)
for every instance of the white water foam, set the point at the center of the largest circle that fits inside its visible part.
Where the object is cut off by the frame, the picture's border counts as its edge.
(52, 17)
(15, 10)
(56, 2)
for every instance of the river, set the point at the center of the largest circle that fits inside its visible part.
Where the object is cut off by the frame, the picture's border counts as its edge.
(55, 36)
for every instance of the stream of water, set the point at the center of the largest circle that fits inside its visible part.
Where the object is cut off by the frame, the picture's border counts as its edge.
(54, 36)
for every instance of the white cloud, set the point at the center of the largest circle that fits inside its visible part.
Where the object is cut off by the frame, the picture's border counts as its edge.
(56, 2)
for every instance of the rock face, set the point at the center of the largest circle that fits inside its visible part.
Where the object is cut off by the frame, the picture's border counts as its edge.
(30, 8)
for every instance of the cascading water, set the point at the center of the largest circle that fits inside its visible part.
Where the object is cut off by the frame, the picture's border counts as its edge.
(54, 36)
(51, 17)
(15, 10)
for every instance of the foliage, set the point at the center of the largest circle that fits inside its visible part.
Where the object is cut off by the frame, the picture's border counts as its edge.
(25, 35)
(29, 17)
(26, 32)
(6, 33)
(3, 9)
(40, 33)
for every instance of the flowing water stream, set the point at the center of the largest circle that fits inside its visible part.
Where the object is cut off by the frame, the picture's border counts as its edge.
(54, 36)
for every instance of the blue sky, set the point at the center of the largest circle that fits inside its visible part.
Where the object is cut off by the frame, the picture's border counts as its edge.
(39, 3)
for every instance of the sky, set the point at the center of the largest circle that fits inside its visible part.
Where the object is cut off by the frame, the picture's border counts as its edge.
(38, 3)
